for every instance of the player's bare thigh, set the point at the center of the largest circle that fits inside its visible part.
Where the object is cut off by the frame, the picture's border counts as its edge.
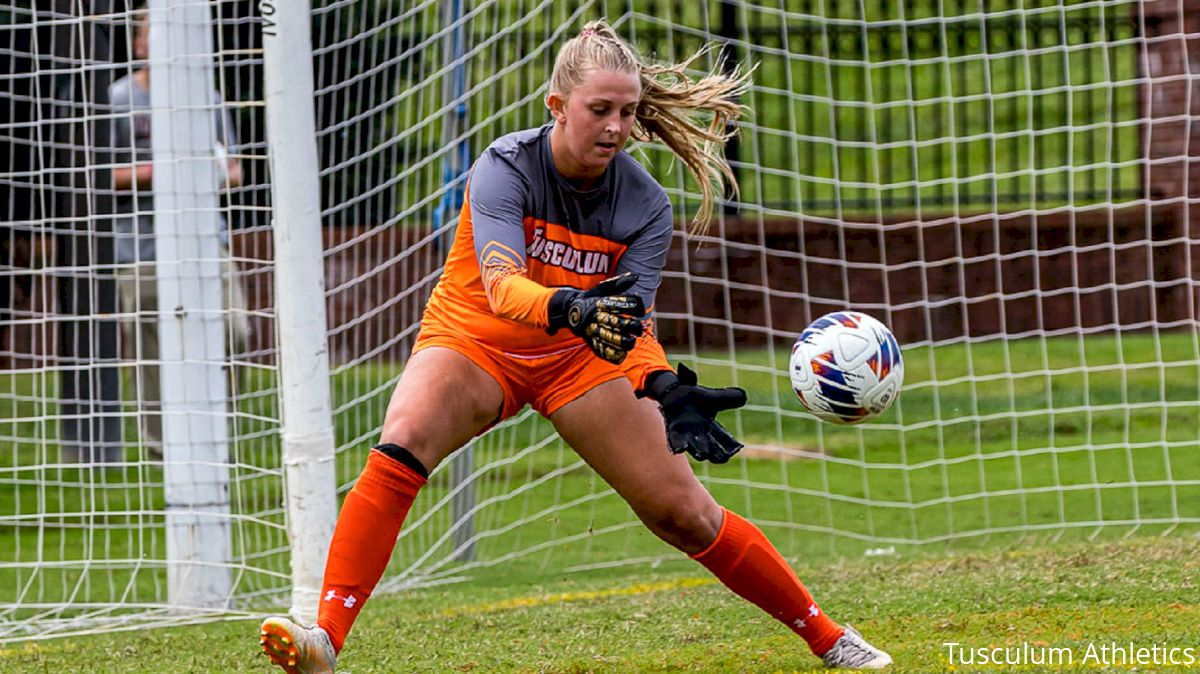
(441, 401)
(623, 439)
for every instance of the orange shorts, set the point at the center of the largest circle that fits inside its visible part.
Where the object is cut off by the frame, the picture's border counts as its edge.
(547, 381)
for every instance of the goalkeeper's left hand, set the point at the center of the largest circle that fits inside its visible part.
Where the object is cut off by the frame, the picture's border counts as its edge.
(690, 411)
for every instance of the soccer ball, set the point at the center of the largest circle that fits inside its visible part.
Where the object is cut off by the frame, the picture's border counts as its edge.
(846, 367)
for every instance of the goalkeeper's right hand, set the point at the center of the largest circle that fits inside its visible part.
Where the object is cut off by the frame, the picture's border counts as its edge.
(606, 318)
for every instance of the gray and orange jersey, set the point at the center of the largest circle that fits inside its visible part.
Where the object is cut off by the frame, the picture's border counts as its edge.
(524, 230)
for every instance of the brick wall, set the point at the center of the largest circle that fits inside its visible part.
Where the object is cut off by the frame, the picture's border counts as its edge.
(935, 279)
(982, 275)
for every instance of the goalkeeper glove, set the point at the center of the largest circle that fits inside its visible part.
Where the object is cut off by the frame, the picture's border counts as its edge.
(690, 411)
(605, 317)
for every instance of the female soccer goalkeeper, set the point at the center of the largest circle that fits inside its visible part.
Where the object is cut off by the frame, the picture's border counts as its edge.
(546, 299)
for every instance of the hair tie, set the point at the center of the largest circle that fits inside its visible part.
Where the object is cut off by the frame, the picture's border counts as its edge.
(586, 32)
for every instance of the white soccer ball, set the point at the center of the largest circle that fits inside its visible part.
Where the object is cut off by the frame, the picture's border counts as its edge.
(846, 367)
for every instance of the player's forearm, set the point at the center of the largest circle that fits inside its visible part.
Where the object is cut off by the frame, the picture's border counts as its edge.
(234, 178)
(124, 177)
(514, 296)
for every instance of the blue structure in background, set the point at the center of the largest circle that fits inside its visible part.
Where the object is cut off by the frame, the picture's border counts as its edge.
(456, 160)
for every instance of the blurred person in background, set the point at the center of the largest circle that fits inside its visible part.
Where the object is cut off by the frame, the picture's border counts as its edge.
(133, 180)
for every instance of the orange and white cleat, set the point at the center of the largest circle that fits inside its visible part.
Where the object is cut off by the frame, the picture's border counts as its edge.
(851, 651)
(298, 650)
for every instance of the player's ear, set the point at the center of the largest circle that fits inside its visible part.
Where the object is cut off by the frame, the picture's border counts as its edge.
(557, 104)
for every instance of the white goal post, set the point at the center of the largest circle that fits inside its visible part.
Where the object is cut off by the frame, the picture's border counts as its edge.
(1007, 185)
(305, 405)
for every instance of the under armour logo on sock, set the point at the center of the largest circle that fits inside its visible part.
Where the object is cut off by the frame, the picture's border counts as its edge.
(813, 610)
(799, 623)
(348, 601)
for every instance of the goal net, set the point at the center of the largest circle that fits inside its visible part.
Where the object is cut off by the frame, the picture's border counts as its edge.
(139, 442)
(1007, 185)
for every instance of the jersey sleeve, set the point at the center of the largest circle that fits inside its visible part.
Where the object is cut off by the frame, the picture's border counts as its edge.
(646, 257)
(496, 195)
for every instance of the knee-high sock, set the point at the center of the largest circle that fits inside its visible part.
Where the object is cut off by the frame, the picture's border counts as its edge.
(745, 561)
(363, 541)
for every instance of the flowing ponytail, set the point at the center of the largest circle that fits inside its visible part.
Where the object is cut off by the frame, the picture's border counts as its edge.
(672, 107)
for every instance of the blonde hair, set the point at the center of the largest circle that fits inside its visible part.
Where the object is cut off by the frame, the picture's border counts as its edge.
(669, 101)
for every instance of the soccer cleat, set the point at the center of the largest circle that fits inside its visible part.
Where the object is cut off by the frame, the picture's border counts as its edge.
(851, 651)
(298, 650)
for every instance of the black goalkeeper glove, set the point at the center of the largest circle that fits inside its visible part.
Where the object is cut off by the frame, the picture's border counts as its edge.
(606, 318)
(690, 411)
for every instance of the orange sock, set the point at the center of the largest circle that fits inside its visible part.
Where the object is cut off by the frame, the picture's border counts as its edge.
(363, 541)
(748, 564)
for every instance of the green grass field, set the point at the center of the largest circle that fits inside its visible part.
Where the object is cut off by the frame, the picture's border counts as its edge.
(675, 619)
(1035, 447)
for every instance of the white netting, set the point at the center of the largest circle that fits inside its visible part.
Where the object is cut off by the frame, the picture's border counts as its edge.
(85, 477)
(973, 175)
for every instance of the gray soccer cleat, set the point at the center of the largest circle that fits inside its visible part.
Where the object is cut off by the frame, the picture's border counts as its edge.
(298, 650)
(851, 651)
